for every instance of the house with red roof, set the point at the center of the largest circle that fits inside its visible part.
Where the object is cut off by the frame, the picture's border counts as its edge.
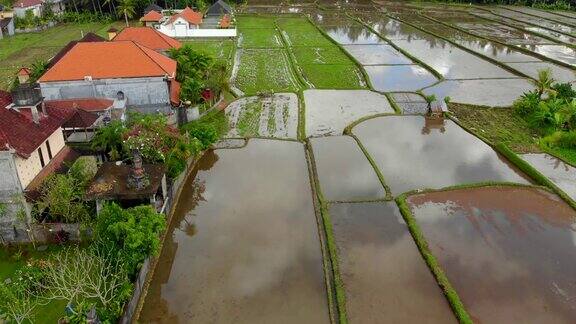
(217, 22)
(151, 18)
(149, 37)
(32, 139)
(125, 71)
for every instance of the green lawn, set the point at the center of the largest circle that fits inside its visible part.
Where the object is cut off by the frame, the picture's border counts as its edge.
(219, 49)
(10, 262)
(339, 76)
(260, 38)
(255, 22)
(25, 49)
(265, 70)
(497, 125)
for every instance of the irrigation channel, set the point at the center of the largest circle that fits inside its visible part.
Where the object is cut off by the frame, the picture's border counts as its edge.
(333, 198)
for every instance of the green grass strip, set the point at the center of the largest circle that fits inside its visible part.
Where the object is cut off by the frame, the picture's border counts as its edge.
(529, 170)
(373, 163)
(301, 131)
(339, 289)
(367, 80)
(449, 291)
(393, 104)
(437, 74)
(291, 59)
(493, 40)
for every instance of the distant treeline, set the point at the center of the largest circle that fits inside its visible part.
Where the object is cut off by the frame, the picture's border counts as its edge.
(545, 4)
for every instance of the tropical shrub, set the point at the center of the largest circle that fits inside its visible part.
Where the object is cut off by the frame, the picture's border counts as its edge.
(109, 139)
(205, 133)
(550, 110)
(132, 234)
(61, 196)
(83, 170)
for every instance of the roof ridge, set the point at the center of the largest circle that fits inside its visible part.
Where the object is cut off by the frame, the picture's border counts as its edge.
(141, 47)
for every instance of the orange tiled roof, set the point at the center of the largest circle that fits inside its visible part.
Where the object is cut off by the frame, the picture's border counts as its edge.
(148, 37)
(225, 22)
(175, 93)
(109, 60)
(152, 15)
(189, 15)
(87, 104)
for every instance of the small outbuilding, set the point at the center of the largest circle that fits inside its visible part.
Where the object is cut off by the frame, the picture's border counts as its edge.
(129, 185)
(219, 8)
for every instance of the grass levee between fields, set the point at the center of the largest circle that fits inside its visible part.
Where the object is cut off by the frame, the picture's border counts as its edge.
(449, 291)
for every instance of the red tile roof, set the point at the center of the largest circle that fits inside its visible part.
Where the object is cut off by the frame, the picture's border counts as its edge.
(89, 37)
(81, 119)
(225, 22)
(191, 16)
(151, 16)
(175, 93)
(19, 132)
(148, 37)
(27, 3)
(87, 104)
(24, 71)
(109, 60)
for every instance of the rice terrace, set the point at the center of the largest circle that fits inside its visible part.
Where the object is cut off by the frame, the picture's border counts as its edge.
(377, 162)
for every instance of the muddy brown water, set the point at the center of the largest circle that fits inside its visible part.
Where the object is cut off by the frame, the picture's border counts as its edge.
(344, 172)
(413, 152)
(243, 246)
(509, 252)
(385, 278)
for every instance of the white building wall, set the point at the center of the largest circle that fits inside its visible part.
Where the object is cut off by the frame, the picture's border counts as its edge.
(179, 32)
(29, 168)
(21, 11)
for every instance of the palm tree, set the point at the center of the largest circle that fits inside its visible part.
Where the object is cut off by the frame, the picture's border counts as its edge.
(126, 8)
(544, 82)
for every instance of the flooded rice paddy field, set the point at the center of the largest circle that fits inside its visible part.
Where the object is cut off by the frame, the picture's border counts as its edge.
(338, 88)
(329, 112)
(264, 116)
(508, 251)
(243, 246)
(559, 172)
(386, 280)
(344, 172)
(414, 152)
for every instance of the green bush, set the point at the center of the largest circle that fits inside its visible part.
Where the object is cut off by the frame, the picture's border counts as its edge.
(205, 133)
(61, 196)
(133, 233)
(83, 170)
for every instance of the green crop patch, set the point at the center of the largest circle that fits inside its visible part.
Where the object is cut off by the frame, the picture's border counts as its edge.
(260, 38)
(265, 70)
(217, 49)
(304, 34)
(255, 22)
(320, 55)
(336, 76)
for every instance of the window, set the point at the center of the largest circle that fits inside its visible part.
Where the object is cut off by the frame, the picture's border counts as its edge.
(120, 95)
(49, 150)
(41, 157)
